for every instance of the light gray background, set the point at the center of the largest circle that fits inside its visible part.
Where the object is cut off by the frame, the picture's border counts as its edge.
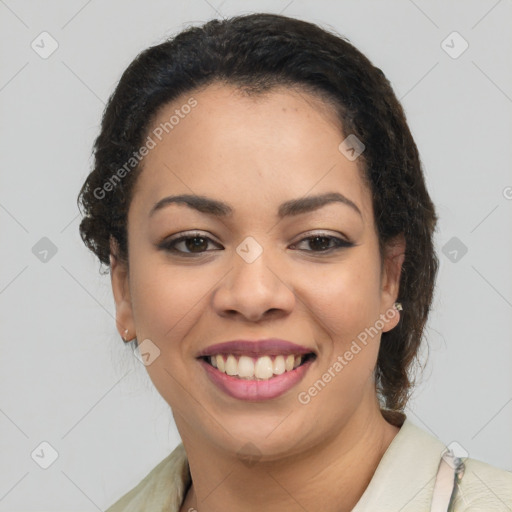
(66, 377)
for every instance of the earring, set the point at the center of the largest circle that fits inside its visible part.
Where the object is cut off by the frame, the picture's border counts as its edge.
(125, 336)
(398, 306)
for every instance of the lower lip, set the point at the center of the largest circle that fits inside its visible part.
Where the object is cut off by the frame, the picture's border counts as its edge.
(256, 390)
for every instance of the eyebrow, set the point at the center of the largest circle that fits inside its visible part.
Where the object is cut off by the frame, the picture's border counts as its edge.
(287, 209)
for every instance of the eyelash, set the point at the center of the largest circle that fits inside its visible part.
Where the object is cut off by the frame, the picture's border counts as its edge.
(169, 245)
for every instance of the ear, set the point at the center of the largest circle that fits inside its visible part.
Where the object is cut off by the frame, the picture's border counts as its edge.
(121, 290)
(394, 254)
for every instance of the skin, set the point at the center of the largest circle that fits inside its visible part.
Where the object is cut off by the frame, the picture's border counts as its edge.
(254, 153)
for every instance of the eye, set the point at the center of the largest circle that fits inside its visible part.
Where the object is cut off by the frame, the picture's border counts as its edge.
(186, 244)
(197, 243)
(322, 242)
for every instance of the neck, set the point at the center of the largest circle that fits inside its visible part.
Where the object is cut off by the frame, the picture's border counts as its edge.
(332, 476)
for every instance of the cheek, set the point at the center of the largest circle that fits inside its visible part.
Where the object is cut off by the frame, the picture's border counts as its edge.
(345, 307)
(167, 300)
(167, 304)
(171, 307)
(345, 298)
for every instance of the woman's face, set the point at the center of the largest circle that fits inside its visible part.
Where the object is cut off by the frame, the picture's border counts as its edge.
(282, 245)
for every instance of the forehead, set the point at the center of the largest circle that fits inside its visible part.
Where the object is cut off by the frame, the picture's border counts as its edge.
(252, 152)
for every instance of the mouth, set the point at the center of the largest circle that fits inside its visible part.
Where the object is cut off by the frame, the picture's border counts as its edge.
(265, 367)
(256, 370)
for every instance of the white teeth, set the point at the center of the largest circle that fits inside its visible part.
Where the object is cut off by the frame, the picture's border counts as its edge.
(279, 368)
(245, 367)
(261, 368)
(231, 365)
(220, 363)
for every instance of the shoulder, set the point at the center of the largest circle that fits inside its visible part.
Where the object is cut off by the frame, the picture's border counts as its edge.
(408, 472)
(163, 487)
(483, 487)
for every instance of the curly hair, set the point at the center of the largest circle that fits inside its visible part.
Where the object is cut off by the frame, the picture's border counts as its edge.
(255, 53)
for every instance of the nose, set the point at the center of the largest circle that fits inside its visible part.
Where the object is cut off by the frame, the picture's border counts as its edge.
(254, 291)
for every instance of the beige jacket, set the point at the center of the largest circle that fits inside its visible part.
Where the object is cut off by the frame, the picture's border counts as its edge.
(403, 481)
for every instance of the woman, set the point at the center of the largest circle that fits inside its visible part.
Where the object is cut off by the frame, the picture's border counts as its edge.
(259, 200)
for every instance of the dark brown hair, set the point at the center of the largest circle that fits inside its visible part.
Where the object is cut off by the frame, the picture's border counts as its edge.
(256, 53)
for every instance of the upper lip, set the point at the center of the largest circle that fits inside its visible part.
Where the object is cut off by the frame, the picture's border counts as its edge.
(270, 346)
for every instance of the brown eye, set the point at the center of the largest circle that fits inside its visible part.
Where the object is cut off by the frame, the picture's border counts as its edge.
(189, 244)
(322, 243)
(196, 244)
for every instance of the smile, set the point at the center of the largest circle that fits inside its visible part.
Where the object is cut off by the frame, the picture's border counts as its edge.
(256, 368)
(256, 379)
